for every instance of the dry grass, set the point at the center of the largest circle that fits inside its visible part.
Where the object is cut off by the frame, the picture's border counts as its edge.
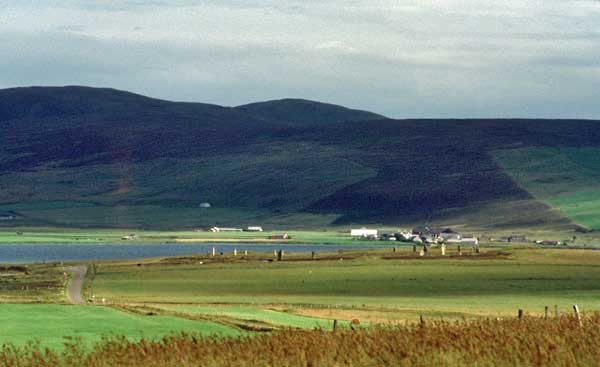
(528, 342)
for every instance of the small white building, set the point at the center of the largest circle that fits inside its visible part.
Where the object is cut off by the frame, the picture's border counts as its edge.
(204, 205)
(254, 229)
(225, 229)
(363, 232)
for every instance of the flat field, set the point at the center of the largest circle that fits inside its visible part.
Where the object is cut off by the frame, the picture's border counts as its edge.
(67, 235)
(53, 325)
(229, 295)
(377, 285)
(32, 283)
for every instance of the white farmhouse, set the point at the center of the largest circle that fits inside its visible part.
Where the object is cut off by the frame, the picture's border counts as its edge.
(363, 232)
(225, 229)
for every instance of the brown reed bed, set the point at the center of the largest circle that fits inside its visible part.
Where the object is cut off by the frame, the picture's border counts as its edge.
(566, 341)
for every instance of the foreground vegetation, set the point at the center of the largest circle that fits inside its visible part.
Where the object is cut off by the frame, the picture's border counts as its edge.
(511, 342)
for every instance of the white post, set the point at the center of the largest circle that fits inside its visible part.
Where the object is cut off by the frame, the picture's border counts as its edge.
(443, 249)
(214, 251)
(234, 252)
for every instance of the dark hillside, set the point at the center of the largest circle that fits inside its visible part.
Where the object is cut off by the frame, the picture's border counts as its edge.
(86, 156)
(303, 112)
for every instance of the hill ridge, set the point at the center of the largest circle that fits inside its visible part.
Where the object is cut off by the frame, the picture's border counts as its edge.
(78, 154)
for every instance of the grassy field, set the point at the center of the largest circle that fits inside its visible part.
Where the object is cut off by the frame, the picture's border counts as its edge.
(389, 285)
(245, 313)
(53, 324)
(32, 283)
(566, 178)
(327, 236)
(66, 235)
(226, 294)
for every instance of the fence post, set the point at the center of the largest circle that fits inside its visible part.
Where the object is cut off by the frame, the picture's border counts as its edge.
(234, 252)
(313, 255)
(520, 314)
(214, 252)
(545, 312)
(334, 325)
(443, 247)
(421, 320)
(459, 251)
(280, 255)
(576, 309)
(415, 248)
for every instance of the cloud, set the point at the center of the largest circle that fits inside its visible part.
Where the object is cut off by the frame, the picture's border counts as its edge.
(417, 58)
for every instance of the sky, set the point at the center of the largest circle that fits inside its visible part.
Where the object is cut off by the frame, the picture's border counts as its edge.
(403, 59)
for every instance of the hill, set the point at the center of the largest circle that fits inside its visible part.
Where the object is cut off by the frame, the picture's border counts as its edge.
(78, 156)
(303, 112)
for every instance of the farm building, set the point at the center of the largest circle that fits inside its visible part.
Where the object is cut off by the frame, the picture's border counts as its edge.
(254, 229)
(364, 233)
(130, 237)
(204, 205)
(225, 229)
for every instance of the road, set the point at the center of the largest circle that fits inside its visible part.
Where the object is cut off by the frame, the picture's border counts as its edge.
(76, 283)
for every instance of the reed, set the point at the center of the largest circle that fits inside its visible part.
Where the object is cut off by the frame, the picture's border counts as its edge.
(566, 341)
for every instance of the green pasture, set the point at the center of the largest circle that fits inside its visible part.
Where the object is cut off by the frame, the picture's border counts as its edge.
(254, 314)
(53, 325)
(529, 279)
(566, 178)
(32, 283)
(67, 235)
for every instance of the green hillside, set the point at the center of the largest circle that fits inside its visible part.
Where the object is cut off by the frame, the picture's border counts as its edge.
(565, 178)
(86, 157)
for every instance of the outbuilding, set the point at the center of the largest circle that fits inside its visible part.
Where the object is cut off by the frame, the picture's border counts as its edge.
(363, 232)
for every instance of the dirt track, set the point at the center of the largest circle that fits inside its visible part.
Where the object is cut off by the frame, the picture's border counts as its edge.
(76, 283)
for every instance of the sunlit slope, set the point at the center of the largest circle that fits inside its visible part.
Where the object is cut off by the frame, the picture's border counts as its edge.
(567, 178)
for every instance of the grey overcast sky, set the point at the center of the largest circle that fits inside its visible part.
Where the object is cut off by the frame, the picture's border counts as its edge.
(421, 58)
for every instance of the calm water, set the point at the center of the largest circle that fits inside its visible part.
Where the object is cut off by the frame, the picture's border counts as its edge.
(25, 253)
